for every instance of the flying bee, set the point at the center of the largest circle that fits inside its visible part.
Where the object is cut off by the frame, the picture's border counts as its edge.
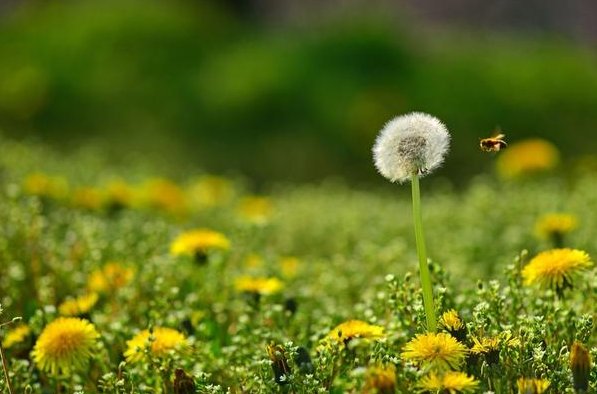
(493, 143)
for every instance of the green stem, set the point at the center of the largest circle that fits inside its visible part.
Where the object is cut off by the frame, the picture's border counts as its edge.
(5, 368)
(422, 252)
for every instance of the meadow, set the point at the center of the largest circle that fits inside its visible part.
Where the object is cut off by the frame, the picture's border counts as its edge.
(118, 278)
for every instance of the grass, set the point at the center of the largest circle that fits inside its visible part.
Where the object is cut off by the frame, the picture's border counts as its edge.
(356, 259)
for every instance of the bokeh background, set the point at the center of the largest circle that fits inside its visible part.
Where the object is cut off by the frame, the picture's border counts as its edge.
(295, 91)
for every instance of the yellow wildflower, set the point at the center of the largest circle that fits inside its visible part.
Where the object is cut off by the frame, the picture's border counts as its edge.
(78, 306)
(440, 351)
(119, 194)
(351, 329)
(110, 278)
(17, 335)
(526, 158)
(450, 383)
(165, 195)
(453, 324)
(209, 191)
(380, 380)
(289, 266)
(42, 185)
(65, 345)
(159, 342)
(555, 226)
(256, 210)
(87, 198)
(198, 243)
(259, 285)
(556, 268)
(253, 260)
(532, 386)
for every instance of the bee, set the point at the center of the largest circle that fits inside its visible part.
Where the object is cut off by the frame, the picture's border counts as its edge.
(493, 143)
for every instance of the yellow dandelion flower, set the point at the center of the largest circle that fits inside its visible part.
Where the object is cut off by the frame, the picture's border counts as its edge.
(110, 278)
(440, 351)
(78, 306)
(65, 345)
(555, 226)
(256, 210)
(526, 158)
(119, 194)
(17, 335)
(159, 342)
(42, 185)
(259, 285)
(490, 347)
(198, 243)
(289, 266)
(452, 323)
(209, 191)
(532, 386)
(165, 195)
(580, 364)
(87, 198)
(380, 380)
(450, 383)
(253, 260)
(556, 268)
(351, 329)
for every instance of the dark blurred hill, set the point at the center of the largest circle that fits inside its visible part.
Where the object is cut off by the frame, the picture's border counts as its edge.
(201, 84)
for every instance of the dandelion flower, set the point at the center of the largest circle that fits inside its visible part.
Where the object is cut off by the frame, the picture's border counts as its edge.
(449, 383)
(42, 185)
(253, 260)
(198, 243)
(351, 329)
(289, 266)
(256, 209)
(580, 364)
(110, 278)
(78, 306)
(87, 198)
(65, 345)
(532, 386)
(415, 143)
(438, 351)
(159, 342)
(380, 380)
(555, 226)
(258, 285)
(527, 158)
(210, 190)
(490, 346)
(556, 268)
(410, 146)
(17, 335)
(118, 194)
(279, 361)
(453, 324)
(165, 195)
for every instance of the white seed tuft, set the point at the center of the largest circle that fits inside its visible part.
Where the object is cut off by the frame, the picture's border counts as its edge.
(414, 143)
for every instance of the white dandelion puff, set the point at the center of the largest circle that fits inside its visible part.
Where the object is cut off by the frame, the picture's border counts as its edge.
(415, 143)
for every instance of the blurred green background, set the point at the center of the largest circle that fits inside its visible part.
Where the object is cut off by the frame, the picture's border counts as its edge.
(287, 96)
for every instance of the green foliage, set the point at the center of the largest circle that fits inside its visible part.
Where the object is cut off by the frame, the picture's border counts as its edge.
(356, 261)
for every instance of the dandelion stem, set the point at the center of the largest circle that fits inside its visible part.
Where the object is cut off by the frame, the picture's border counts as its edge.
(5, 367)
(422, 252)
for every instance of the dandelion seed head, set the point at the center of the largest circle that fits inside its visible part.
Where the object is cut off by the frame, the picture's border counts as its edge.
(414, 143)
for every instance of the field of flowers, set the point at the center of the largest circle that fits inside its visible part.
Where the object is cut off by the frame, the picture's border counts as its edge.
(117, 279)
